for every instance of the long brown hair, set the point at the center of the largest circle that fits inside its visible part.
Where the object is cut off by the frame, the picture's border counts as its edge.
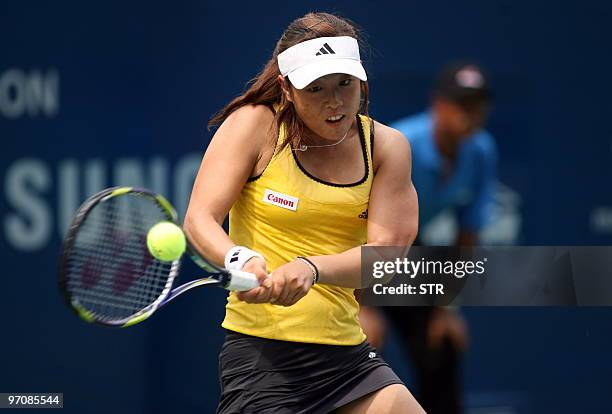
(264, 89)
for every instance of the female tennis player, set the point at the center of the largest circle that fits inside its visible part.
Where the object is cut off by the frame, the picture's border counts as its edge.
(296, 164)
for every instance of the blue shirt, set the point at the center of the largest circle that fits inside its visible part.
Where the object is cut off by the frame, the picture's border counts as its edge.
(467, 190)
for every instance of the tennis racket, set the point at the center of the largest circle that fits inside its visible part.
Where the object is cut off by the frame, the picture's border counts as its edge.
(107, 274)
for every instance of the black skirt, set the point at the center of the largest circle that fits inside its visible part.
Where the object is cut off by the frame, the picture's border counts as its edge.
(262, 376)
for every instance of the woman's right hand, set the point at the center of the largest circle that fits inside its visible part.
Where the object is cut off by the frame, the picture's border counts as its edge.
(263, 293)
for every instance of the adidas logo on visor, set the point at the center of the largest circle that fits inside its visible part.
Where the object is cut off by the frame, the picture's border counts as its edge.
(311, 59)
(325, 50)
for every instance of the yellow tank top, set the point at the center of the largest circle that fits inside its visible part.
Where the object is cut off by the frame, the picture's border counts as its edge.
(285, 212)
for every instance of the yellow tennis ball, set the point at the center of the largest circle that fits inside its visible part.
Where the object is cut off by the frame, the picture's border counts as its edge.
(166, 241)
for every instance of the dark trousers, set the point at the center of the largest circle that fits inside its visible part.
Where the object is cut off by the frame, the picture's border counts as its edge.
(437, 370)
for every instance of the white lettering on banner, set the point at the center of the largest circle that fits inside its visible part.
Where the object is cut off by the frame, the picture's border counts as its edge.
(68, 193)
(184, 174)
(95, 177)
(29, 227)
(280, 200)
(33, 93)
(131, 172)
(28, 224)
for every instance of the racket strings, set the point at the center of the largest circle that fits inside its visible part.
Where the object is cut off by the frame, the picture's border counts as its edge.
(151, 285)
(110, 271)
(121, 287)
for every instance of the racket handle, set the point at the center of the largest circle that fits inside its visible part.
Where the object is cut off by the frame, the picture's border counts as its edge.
(241, 280)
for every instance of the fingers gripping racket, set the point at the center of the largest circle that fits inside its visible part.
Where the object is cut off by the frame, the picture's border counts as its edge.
(107, 274)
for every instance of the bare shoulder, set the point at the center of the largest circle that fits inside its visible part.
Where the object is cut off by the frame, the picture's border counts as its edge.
(251, 120)
(247, 136)
(389, 143)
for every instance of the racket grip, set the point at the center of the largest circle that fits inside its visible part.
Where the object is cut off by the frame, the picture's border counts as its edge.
(241, 280)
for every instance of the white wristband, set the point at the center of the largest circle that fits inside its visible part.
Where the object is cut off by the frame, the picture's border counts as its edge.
(237, 256)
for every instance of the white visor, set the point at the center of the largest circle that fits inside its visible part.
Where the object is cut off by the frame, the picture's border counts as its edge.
(309, 60)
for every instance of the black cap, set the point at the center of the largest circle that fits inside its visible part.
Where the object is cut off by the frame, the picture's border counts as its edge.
(464, 83)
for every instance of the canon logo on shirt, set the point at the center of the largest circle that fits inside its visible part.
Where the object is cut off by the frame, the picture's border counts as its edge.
(280, 200)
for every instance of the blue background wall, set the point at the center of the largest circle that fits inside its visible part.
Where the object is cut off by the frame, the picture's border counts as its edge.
(93, 95)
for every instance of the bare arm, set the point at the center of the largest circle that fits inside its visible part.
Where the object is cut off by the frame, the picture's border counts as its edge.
(392, 221)
(392, 212)
(227, 164)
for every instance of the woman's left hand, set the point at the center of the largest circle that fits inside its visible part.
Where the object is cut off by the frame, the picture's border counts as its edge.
(290, 283)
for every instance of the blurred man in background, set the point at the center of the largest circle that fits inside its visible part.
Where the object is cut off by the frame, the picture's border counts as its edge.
(453, 170)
